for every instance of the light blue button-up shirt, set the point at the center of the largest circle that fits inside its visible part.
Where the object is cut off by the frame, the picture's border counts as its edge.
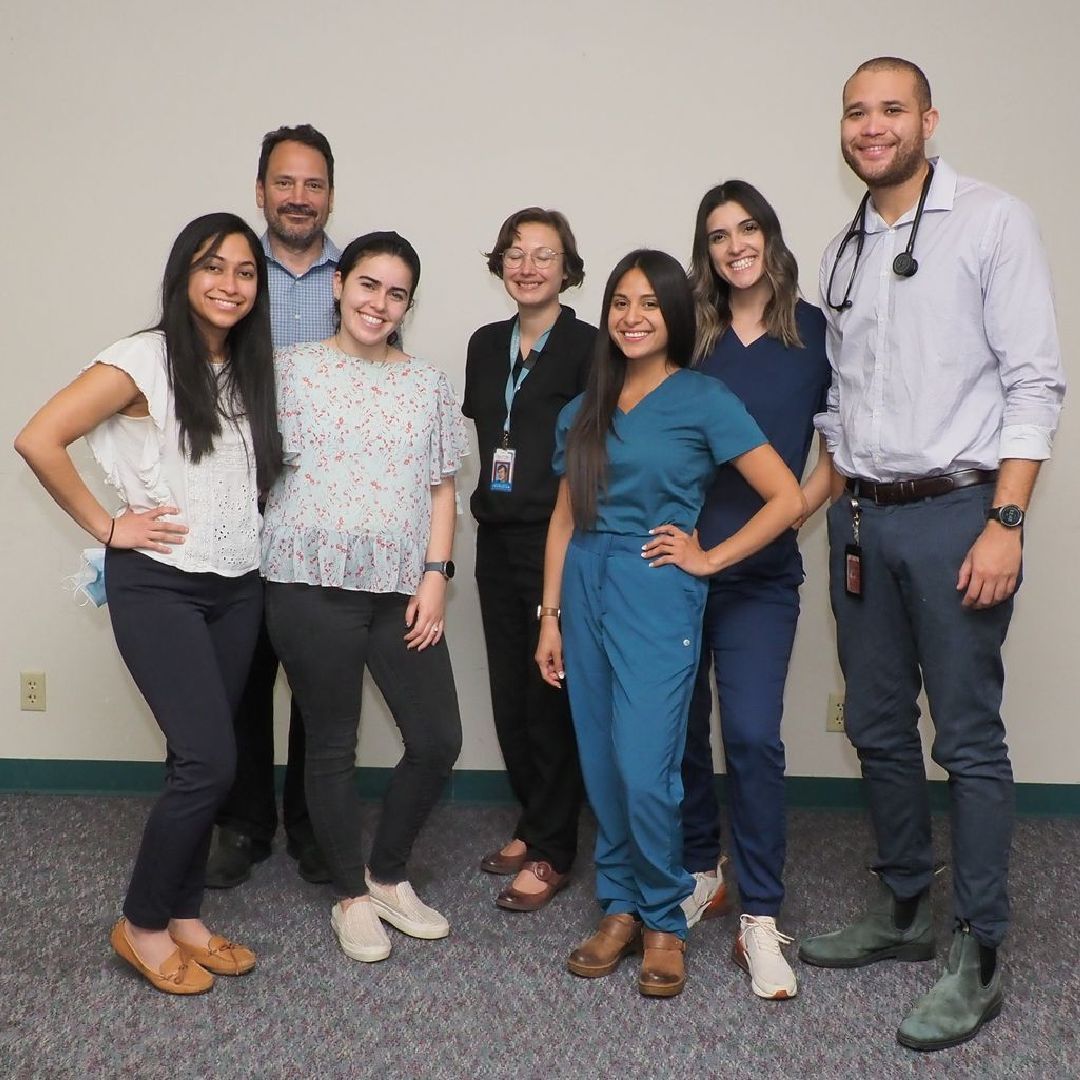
(957, 367)
(301, 308)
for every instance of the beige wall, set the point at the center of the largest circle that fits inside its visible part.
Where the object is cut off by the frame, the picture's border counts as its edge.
(123, 120)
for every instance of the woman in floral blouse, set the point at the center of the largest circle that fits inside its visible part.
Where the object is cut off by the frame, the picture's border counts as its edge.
(356, 547)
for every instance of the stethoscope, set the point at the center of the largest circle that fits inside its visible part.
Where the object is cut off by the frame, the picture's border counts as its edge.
(905, 264)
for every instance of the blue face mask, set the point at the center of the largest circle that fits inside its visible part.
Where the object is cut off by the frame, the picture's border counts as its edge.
(88, 584)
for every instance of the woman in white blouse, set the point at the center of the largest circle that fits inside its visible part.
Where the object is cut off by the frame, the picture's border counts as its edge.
(356, 553)
(181, 419)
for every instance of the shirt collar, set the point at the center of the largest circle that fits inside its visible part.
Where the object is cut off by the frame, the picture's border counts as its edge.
(330, 253)
(940, 197)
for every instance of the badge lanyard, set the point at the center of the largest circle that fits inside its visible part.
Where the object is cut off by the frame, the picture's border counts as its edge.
(504, 457)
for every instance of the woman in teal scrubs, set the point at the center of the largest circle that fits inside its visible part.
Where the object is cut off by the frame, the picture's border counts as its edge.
(636, 452)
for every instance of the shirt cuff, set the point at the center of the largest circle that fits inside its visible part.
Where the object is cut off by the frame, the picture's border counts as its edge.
(828, 426)
(1026, 441)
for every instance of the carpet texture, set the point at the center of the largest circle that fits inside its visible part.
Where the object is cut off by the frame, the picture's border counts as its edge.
(495, 999)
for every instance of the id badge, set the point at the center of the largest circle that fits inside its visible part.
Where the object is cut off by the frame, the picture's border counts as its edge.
(502, 469)
(853, 570)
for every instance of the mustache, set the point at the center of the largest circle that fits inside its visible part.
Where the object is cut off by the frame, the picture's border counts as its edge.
(296, 210)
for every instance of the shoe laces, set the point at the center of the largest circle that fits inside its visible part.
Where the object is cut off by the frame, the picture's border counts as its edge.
(765, 935)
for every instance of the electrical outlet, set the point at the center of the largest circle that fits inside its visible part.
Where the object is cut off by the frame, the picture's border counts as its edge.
(32, 691)
(834, 713)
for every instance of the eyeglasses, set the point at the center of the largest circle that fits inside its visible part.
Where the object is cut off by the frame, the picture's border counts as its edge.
(541, 257)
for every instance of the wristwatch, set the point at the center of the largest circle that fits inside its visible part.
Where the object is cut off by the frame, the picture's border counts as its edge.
(444, 568)
(1011, 516)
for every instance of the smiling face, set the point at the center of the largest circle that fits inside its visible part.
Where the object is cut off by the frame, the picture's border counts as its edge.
(531, 285)
(373, 300)
(222, 287)
(736, 247)
(296, 196)
(635, 321)
(883, 131)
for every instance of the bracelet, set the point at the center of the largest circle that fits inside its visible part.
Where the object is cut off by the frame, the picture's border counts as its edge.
(541, 611)
(112, 529)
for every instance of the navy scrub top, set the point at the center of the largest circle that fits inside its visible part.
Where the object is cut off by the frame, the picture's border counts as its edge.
(664, 452)
(781, 388)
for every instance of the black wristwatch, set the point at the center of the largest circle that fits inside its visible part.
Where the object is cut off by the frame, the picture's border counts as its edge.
(1011, 516)
(444, 568)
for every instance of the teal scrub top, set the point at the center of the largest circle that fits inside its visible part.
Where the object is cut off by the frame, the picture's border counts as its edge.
(664, 453)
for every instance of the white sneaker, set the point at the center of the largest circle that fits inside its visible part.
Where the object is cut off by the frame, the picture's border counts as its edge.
(401, 907)
(709, 897)
(359, 931)
(757, 952)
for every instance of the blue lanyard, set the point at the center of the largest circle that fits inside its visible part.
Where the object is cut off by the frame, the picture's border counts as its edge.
(515, 350)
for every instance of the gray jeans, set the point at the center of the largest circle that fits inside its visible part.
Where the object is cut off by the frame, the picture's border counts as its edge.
(325, 638)
(908, 629)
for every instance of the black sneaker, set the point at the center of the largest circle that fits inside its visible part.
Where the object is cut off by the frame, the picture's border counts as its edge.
(310, 864)
(232, 854)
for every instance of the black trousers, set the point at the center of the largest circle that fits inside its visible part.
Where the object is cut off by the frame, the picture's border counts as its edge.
(532, 719)
(187, 640)
(251, 806)
(326, 637)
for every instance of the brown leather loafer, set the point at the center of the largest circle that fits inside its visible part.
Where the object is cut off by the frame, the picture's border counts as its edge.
(615, 937)
(222, 957)
(498, 863)
(663, 973)
(513, 900)
(175, 976)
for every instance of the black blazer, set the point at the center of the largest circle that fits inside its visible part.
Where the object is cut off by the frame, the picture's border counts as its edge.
(558, 377)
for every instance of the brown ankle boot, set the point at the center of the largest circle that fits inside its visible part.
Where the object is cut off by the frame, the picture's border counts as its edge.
(662, 971)
(616, 936)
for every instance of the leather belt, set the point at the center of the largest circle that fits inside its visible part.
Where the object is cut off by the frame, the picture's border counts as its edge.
(922, 487)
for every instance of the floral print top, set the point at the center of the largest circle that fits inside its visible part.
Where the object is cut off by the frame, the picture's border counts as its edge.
(364, 441)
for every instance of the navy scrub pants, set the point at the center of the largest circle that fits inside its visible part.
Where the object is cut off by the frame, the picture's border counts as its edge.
(749, 631)
(908, 621)
(631, 642)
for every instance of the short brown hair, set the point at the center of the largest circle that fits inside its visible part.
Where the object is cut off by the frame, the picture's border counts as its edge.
(896, 63)
(573, 264)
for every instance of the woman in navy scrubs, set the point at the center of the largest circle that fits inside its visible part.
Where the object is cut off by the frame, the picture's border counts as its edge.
(768, 347)
(638, 449)
(519, 374)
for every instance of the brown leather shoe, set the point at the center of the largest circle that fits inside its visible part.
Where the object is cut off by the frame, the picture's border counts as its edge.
(175, 976)
(663, 973)
(222, 957)
(513, 900)
(615, 937)
(498, 863)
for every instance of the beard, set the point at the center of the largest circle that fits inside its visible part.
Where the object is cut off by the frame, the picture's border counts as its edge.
(906, 163)
(294, 236)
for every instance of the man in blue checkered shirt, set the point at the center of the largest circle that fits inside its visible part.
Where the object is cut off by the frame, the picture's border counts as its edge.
(294, 189)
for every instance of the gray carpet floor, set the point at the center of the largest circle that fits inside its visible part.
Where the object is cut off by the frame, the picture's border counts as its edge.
(494, 999)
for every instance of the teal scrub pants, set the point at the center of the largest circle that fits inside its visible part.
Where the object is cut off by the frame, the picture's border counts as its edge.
(631, 643)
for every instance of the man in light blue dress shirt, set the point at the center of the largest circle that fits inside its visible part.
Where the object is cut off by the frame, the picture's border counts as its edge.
(294, 188)
(947, 384)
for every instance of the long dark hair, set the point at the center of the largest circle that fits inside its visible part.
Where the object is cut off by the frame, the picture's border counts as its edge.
(201, 398)
(586, 442)
(713, 294)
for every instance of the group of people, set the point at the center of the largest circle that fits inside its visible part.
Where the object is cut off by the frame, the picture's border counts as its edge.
(636, 508)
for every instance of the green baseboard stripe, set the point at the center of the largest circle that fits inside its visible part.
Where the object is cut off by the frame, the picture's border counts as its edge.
(35, 775)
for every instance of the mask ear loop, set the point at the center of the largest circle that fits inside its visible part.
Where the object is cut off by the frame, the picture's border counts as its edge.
(87, 584)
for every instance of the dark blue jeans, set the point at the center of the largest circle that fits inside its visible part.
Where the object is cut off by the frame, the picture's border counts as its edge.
(748, 633)
(907, 630)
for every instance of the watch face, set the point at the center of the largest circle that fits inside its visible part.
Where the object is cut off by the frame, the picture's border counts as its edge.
(1010, 516)
(449, 569)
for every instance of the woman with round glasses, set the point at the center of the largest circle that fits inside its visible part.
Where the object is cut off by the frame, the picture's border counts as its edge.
(768, 347)
(519, 374)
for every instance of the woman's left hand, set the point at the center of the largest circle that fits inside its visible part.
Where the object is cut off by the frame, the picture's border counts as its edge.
(424, 613)
(669, 544)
